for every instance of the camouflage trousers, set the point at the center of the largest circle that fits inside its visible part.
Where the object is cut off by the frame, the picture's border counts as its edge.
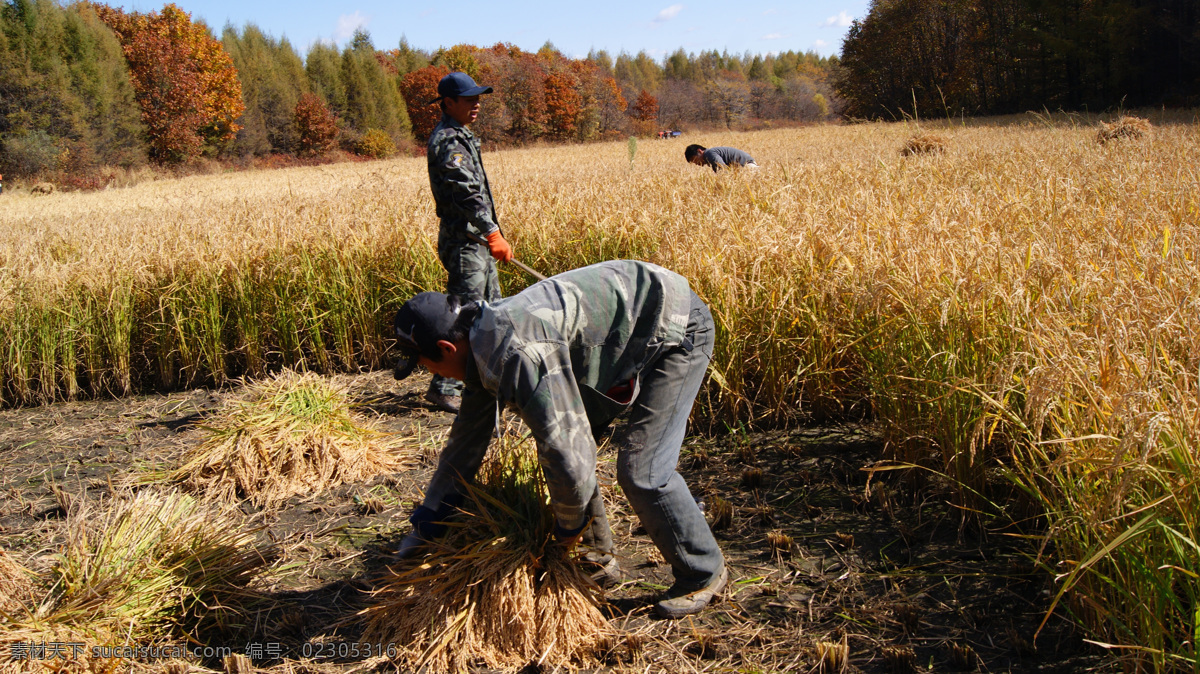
(472, 276)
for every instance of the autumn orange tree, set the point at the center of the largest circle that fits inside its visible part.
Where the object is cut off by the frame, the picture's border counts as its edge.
(418, 88)
(316, 126)
(185, 82)
(645, 108)
(563, 104)
(603, 106)
(523, 83)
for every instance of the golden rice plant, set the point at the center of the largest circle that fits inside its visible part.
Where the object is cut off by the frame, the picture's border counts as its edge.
(149, 569)
(495, 590)
(1126, 126)
(286, 435)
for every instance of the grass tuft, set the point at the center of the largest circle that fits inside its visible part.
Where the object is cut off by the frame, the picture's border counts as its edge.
(781, 544)
(722, 513)
(752, 478)
(832, 656)
(899, 659)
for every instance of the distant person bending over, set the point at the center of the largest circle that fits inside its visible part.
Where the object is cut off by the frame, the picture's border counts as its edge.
(1, 183)
(466, 210)
(717, 157)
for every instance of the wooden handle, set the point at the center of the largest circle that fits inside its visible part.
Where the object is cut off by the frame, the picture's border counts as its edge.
(528, 270)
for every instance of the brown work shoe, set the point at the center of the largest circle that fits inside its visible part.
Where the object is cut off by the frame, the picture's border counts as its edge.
(680, 603)
(444, 402)
(603, 568)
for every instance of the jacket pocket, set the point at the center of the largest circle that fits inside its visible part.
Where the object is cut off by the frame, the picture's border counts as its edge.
(601, 409)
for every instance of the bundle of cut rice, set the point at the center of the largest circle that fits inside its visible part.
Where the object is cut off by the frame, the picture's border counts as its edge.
(16, 587)
(147, 572)
(1133, 128)
(495, 590)
(924, 144)
(288, 435)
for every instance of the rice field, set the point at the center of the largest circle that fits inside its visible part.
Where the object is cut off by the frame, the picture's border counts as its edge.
(1017, 313)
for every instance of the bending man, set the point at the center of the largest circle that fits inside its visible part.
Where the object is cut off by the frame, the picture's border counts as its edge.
(717, 157)
(569, 354)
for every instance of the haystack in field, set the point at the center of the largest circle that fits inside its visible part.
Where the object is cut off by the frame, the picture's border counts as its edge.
(495, 591)
(1126, 126)
(925, 143)
(287, 435)
(150, 570)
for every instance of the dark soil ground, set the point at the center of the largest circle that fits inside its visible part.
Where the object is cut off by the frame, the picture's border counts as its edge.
(821, 552)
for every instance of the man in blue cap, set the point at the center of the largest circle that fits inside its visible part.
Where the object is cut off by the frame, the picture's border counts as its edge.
(466, 210)
(570, 355)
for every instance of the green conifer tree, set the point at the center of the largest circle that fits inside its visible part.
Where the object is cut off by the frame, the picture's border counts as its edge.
(372, 99)
(324, 69)
(66, 102)
(272, 83)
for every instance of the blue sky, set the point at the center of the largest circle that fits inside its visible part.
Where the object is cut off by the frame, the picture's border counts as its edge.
(659, 26)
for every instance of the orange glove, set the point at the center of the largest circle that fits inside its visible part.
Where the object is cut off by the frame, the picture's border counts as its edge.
(498, 247)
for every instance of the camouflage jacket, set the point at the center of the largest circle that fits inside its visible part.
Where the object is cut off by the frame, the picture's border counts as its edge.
(720, 157)
(550, 353)
(460, 187)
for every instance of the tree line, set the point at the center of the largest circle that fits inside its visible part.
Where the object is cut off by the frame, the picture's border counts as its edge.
(86, 85)
(935, 57)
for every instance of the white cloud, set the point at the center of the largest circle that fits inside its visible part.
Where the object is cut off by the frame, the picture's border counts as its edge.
(772, 36)
(770, 12)
(348, 23)
(427, 12)
(668, 13)
(820, 43)
(842, 20)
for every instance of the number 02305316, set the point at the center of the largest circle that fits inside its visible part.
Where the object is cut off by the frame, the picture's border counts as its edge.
(320, 650)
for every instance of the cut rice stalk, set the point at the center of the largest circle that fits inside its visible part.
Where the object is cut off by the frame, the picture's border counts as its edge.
(150, 568)
(925, 143)
(1126, 126)
(494, 590)
(292, 434)
(16, 587)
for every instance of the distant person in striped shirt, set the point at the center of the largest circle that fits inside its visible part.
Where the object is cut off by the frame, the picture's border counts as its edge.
(717, 157)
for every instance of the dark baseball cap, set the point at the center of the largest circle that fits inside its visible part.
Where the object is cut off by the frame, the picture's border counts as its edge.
(419, 324)
(460, 84)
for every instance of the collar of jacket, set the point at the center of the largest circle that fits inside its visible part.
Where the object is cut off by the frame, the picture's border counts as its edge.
(451, 123)
(471, 378)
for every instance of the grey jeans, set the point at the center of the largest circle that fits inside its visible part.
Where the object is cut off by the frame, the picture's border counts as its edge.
(648, 453)
(472, 276)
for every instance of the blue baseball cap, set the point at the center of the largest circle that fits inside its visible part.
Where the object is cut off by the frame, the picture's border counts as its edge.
(460, 84)
(419, 324)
